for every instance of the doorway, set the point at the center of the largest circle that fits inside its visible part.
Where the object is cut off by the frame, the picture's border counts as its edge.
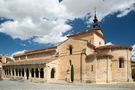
(52, 73)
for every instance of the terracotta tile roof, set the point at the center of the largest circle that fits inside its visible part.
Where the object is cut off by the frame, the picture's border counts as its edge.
(47, 50)
(27, 62)
(94, 30)
(113, 47)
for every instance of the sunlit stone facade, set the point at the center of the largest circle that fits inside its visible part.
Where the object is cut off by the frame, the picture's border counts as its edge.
(92, 60)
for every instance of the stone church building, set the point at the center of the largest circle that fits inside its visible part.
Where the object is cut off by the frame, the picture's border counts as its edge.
(93, 61)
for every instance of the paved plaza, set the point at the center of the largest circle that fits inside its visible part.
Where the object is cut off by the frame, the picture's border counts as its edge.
(27, 85)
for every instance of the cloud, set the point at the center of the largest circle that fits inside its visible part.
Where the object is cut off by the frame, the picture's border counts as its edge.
(44, 21)
(18, 52)
(109, 43)
(133, 53)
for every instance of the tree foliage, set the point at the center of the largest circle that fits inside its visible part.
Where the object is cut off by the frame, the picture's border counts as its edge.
(72, 73)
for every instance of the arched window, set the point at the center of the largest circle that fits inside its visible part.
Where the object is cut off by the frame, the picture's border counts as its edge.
(121, 62)
(92, 68)
(53, 73)
(70, 49)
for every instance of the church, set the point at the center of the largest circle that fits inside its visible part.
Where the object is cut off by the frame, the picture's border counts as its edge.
(83, 57)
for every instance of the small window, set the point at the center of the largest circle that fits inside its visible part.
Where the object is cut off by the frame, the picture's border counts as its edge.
(70, 49)
(70, 62)
(92, 68)
(121, 62)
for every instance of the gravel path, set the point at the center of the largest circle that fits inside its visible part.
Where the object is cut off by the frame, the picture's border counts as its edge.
(27, 85)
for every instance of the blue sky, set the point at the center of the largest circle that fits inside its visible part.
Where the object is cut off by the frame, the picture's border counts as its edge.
(32, 28)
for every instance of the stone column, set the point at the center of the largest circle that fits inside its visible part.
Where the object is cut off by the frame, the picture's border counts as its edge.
(14, 73)
(34, 73)
(29, 73)
(11, 72)
(39, 72)
(46, 72)
(25, 77)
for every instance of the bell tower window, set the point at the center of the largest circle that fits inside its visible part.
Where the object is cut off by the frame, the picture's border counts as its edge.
(70, 49)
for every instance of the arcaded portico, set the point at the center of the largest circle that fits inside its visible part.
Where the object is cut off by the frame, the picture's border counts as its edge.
(30, 67)
(26, 70)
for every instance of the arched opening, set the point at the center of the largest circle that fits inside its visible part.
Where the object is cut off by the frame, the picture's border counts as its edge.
(9, 71)
(32, 72)
(27, 73)
(13, 72)
(70, 49)
(37, 73)
(16, 72)
(41, 73)
(121, 62)
(19, 72)
(5, 72)
(53, 73)
(23, 72)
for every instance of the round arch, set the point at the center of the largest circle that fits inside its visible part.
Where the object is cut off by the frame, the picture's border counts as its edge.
(53, 73)
(37, 73)
(42, 73)
(32, 72)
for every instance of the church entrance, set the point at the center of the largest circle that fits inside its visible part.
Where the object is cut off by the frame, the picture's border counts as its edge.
(52, 73)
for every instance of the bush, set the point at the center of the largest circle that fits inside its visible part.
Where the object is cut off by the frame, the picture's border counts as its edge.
(72, 73)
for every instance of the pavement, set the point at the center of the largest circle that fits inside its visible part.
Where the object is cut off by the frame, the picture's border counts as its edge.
(27, 85)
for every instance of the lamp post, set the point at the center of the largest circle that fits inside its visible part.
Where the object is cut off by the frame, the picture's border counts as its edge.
(82, 52)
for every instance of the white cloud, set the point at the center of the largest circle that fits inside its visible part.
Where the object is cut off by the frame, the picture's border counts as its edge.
(28, 16)
(133, 53)
(18, 52)
(109, 43)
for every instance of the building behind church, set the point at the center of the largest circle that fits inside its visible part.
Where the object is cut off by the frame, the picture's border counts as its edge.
(93, 61)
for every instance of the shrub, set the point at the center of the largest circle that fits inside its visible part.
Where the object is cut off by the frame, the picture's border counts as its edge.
(72, 73)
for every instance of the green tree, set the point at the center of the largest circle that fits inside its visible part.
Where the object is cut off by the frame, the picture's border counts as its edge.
(72, 73)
